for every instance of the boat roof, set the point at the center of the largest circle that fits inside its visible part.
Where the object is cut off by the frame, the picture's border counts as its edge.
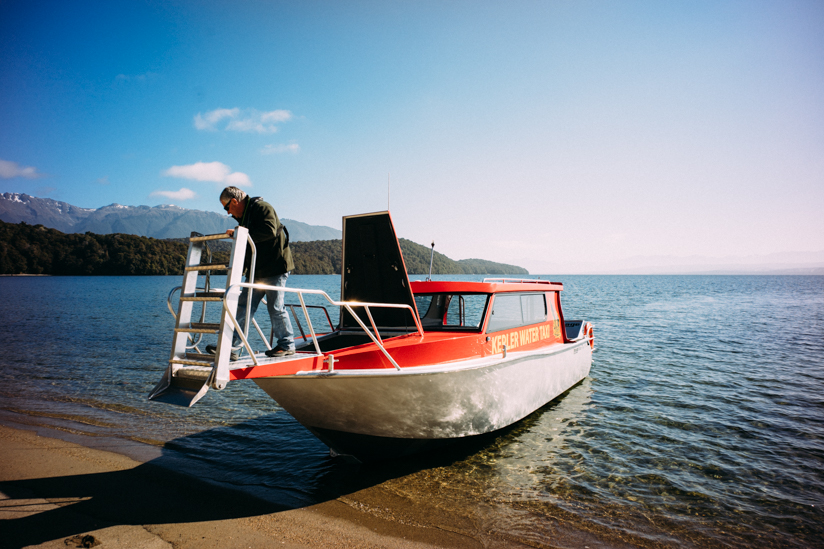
(488, 286)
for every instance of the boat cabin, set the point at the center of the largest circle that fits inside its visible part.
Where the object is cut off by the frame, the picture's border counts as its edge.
(373, 270)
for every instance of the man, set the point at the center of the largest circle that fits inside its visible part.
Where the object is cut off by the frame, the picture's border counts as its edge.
(274, 261)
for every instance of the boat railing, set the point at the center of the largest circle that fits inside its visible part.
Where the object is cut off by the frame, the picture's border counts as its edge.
(292, 306)
(197, 338)
(517, 281)
(374, 334)
(195, 341)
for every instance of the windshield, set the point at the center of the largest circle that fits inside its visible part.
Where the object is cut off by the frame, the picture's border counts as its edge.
(451, 311)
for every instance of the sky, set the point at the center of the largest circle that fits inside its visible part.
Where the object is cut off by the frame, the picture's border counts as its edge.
(559, 136)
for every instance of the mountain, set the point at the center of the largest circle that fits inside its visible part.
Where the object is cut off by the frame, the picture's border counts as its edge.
(35, 249)
(164, 221)
(175, 223)
(417, 257)
(324, 257)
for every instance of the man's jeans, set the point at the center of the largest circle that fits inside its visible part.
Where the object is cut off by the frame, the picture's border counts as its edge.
(281, 324)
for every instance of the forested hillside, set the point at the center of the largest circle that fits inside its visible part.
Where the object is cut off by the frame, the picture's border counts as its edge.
(324, 257)
(35, 249)
(416, 258)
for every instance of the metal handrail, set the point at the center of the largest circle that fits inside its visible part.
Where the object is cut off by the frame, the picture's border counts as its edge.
(345, 304)
(297, 320)
(249, 294)
(518, 281)
(169, 300)
(291, 307)
(196, 341)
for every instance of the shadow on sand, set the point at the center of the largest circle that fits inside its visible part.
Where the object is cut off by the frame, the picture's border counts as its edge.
(187, 484)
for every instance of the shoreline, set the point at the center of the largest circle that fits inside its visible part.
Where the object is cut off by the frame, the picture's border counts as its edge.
(53, 491)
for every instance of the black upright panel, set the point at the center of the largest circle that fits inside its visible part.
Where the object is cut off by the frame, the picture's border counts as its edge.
(373, 271)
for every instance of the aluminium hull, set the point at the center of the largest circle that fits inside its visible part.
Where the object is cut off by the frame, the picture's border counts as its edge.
(367, 413)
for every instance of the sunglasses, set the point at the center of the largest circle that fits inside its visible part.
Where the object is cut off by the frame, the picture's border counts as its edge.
(226, 206)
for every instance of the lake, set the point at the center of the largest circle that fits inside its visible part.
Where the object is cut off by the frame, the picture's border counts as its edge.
(701, 423)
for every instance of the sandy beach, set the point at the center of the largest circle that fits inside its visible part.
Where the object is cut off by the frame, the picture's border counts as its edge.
(55, 493)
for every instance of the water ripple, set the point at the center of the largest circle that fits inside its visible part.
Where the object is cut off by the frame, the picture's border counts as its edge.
(702, 423)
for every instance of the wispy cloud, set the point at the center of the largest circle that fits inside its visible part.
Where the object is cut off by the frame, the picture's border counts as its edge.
(292, 148)
(241, 120)
(209, 120)
(103, 180)
(217, 172)
(182, 194)
(10, 170)
(135, 77)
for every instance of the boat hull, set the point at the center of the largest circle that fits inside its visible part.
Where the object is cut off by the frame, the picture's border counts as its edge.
(360, 412)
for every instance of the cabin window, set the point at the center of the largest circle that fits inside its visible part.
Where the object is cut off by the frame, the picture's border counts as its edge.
(451, 311)
(513, 310)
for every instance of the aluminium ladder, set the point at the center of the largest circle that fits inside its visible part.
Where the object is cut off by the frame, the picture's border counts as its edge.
(190, 374)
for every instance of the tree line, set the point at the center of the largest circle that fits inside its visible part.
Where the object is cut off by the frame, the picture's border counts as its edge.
(38, 250)
(35, 249)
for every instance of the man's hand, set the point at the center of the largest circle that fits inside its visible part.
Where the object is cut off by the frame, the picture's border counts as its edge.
(230, 232)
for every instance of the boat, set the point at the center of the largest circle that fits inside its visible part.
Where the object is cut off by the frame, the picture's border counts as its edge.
(409, 365)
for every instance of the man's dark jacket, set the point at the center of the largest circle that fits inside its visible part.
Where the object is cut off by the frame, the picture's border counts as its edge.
(270, 237)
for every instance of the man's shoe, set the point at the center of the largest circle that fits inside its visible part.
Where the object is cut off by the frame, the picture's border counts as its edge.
(278, 352)
(212, 349)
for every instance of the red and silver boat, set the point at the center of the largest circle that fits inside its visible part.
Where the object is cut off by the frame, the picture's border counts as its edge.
(409, 364)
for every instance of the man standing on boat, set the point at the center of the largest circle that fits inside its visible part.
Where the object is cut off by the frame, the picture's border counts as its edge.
(272, 267)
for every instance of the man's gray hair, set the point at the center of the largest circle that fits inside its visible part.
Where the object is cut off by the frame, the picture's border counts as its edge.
(232, 192)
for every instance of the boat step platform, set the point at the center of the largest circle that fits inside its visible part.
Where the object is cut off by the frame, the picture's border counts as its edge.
(187, 380)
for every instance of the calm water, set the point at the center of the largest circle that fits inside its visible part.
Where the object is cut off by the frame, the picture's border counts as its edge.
(701, 424)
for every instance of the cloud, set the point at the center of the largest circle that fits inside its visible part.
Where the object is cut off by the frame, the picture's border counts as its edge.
(182, 194)
(10, 170)
(207, 121)
(217, 172)
(135, 77)
(237, 120)
(238, 179)
(293, 148)
(103, 180)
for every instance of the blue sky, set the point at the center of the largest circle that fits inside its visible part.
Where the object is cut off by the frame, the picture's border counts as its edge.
(551, 135)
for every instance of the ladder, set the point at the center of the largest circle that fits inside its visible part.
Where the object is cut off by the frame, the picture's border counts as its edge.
(190, 374)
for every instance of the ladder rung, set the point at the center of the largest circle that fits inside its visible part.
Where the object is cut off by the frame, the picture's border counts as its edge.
(199, 328)
(209, 267)
(191, 363)
(200, 356)
(193, 372)
(212, 296)
(219, 236)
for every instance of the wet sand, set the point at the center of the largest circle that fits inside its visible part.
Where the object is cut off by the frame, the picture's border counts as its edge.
(55, 493)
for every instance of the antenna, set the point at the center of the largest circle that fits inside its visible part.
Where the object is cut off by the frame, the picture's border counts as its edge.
(431, 257)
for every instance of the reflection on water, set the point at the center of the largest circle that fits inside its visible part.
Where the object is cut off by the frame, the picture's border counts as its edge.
(701, 422)
(512, 488)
